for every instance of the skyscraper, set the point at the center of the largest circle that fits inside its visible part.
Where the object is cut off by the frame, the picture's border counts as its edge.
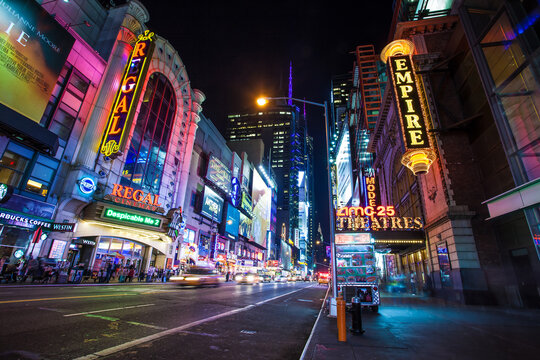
(282, 130)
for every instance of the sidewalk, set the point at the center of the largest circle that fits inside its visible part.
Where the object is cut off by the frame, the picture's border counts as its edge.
(420, 327)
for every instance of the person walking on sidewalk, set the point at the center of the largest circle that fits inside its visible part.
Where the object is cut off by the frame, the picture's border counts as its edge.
(109, 271)
(131, 273)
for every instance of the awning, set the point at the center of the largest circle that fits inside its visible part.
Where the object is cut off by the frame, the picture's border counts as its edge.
(519, 198)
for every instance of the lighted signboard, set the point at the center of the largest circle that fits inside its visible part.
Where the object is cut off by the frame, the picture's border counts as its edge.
(418, 155)
(125, 103)
(33, 48)
(353, 239)
(235, 192)
(57, 249)
(127, 217)
(246, 203)
(262, 203)
(219, 174)
(212, 206)
(245, 226)
(368, 219)
(233, 222)
(137, 198)
(344, 170)
(371, 191)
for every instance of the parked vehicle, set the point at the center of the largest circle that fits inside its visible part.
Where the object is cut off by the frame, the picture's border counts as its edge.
(247, 278)
(198, 276)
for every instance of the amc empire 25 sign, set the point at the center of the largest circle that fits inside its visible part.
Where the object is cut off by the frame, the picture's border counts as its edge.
(125, 102)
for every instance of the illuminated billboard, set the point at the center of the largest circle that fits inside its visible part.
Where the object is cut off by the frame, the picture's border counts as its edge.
(262, 203)
(33, 50)
(245, 226)
(232, 223)
(125, 102)
(212, 206)
(219, 174)
(344, 170)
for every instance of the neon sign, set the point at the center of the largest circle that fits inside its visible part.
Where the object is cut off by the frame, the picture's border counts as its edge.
(374, 218)
(371, 194)
(419, 155)
(125, 102)
(126, 195)
(125, 216)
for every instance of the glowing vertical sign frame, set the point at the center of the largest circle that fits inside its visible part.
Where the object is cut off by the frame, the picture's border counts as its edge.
(413, 117)
(125, 102)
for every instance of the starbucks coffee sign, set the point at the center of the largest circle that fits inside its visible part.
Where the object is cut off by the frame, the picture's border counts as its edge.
(5, 192)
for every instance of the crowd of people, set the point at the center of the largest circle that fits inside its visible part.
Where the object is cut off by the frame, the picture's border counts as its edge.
(23, 269)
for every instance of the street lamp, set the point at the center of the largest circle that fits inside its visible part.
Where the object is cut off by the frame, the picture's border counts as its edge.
(263, 101)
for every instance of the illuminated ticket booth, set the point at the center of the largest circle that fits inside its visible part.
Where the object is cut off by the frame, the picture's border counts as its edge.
(123, 236)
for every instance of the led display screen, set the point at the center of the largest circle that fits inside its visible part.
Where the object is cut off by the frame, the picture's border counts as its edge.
(33, 50)
(212, 206)
(262, 204)
(233, 222)
(344, 170)
(128, 217)
(245, 226)
(219, 174)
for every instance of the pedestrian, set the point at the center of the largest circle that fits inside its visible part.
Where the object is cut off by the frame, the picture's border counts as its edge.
(109, 271)
(131, 273)
(227, 276)
(413, 283)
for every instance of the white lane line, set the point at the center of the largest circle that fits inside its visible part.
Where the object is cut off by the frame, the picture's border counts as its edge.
(304, 352)
(130, 344)
(146, 325)
(105, 310)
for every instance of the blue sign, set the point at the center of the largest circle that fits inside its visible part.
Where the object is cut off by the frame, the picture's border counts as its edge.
(235, 192)
(233, 222)
(212, 205)
(87, 185)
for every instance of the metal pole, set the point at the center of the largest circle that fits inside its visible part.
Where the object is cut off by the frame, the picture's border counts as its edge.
(330, 208)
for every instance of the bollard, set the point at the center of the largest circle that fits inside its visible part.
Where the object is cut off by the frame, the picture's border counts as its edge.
(356, 327)
(342, 332)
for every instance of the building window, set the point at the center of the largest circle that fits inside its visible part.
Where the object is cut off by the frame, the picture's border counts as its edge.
(145, 159)
(27, 170)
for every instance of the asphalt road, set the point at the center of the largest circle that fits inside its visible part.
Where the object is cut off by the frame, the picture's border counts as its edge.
(149, 321)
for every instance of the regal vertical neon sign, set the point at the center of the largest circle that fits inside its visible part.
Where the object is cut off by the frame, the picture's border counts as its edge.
(125, 102)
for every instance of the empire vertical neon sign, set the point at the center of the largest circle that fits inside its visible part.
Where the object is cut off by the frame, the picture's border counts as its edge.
(126, 98)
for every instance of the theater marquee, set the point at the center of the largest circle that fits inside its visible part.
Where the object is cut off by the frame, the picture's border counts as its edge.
(374, 218)
(125, 103)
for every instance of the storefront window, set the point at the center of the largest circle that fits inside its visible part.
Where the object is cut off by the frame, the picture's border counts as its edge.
(27, 170)
(116, 245)
(104, 245)
(145, 159)
(14, 163)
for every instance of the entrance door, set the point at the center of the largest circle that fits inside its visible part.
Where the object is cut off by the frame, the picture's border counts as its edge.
(525, 278)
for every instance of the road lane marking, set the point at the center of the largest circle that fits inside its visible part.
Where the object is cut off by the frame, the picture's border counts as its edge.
(179, 329)
(304, 300)
(105, 310)
(146, 325)
(108, 318)
(62, 298)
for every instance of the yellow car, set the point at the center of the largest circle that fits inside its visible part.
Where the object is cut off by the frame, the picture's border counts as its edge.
(247, 278)
(198, 276)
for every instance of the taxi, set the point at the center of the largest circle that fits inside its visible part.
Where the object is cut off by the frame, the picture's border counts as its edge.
(198, 276)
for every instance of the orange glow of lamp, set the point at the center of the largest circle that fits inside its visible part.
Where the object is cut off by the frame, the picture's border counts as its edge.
(419, 154)
(125, 102)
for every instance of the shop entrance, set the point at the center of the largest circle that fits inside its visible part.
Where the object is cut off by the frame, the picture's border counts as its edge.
(121, 253)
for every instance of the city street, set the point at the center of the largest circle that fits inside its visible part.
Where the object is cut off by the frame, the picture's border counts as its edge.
(142, 321)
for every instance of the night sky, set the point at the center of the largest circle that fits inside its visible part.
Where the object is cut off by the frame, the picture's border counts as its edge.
(235, 51)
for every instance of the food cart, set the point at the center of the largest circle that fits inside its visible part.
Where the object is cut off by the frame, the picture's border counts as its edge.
(356, 273)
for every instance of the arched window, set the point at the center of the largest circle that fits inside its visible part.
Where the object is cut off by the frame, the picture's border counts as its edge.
(145, 159)
(405, 192)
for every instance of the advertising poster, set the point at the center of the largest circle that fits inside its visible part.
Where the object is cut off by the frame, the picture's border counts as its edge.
(33, 50)
(262, 202)
(233, 222)
(245, 226)
(57, 249)
(212, 206)
(219, 174)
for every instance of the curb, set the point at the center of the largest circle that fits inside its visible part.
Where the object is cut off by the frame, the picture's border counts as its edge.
(304, 352)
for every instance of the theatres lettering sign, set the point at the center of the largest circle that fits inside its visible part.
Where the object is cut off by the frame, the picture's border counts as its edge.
(374, 218)
(125, 195)
(125, 103)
